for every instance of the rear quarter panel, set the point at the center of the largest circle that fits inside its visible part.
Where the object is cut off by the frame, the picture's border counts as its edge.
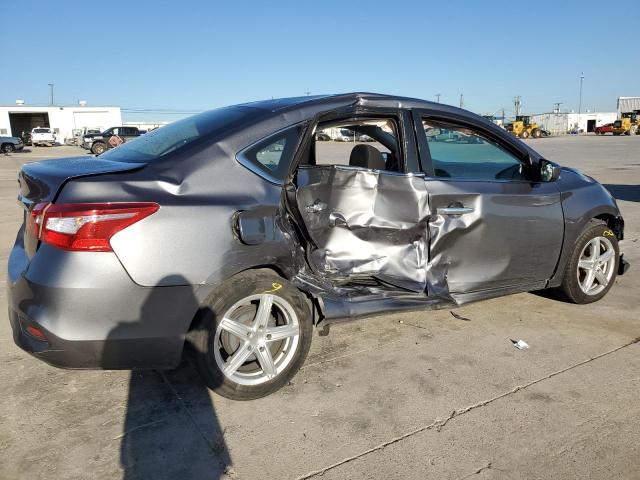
(192, 236)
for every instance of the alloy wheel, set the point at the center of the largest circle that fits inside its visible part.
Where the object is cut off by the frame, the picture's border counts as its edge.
(596, 265)
(256, 339)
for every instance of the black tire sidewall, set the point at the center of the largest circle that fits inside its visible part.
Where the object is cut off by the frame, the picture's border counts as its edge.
(570, 285)
(236, 288)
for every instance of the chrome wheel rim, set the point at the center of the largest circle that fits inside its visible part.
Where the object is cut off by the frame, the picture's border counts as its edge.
(595, 266)
(256, 339)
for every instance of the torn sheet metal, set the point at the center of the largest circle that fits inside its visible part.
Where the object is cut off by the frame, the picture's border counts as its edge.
(366, 223)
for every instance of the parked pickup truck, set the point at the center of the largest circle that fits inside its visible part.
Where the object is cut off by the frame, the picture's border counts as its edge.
(112, 137)
(602, 129)
(42, 136)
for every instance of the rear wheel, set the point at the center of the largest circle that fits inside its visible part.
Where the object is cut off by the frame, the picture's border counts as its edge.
(252, 336)
(98, 148)
(524, 134)
(593, 266)
(536, 133)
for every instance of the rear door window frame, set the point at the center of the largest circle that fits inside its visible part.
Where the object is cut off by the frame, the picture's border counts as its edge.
(402, 117)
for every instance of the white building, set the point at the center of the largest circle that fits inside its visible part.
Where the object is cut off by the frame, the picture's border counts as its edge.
(561, 123)
(15, 119)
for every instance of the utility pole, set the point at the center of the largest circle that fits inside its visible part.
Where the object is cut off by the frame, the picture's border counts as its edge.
(580, 100)
(557, 109)
(516, 105)
(461, 101)
(438, 97)
(51, 86)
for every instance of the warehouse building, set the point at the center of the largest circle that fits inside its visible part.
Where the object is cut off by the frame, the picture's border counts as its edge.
(628, 105)
(63, 120)
(561, 123)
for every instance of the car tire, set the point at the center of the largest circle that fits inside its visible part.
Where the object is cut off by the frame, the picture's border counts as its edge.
(98, 148)
(8, 148)
(576, 274)
(230, 332)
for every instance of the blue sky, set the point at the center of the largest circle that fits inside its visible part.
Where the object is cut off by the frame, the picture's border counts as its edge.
(194, 55)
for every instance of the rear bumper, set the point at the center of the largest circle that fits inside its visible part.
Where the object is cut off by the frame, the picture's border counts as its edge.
(91, 314)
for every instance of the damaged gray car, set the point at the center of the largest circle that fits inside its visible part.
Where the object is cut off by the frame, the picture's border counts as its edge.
(235, 233)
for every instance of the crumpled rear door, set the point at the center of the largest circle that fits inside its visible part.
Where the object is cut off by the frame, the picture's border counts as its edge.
(365, 223)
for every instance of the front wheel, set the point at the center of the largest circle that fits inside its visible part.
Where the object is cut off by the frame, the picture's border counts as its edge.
(524, 134)
(593, 266)
(8, 148)
(252, 336)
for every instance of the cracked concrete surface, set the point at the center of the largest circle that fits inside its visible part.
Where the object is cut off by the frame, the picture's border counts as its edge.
(412, 395)
(438, 425)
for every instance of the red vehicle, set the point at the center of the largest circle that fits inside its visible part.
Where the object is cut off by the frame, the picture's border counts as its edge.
(602, 129)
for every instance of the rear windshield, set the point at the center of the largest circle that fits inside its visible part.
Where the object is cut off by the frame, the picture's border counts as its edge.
(41, 130)
(164, 140)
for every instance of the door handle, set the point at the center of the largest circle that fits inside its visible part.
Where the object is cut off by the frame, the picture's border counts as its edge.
(454, 210)
(335, 218)
(315, 207)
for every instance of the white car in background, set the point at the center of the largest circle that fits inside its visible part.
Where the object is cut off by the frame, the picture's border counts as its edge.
(42, 136)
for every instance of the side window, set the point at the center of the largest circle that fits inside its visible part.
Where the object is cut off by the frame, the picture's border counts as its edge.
(271, 157)
(458, 152)
(362, 142)
(115, 131)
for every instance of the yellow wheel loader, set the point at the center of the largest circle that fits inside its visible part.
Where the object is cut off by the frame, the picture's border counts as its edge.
(629, 124)
(523, 128)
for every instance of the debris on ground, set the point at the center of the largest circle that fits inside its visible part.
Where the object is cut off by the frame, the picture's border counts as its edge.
(459, 317)
(519, 344)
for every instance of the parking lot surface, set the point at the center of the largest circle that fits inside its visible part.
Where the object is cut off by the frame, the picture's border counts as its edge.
(409, 395)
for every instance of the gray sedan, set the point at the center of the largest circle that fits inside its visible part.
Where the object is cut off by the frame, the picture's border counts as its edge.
(10, 144)
(233, 234)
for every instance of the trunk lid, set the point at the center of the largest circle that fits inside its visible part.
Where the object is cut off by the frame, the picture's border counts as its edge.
(41, 181)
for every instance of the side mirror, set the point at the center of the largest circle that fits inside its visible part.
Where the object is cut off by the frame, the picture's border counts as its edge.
(548, 171)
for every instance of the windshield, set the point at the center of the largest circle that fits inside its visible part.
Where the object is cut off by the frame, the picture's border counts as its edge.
(165, 140)
(41, 130)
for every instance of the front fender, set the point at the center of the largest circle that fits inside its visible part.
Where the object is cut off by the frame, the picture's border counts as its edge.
(583, 199)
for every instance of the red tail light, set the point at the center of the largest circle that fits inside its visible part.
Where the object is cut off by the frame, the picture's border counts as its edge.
(36, 333)
(85, 226)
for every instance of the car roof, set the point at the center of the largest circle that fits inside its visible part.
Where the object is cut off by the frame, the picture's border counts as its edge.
(306, 105)
(363, 98)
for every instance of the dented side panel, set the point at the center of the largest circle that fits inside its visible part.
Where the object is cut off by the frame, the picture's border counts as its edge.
(365, 223)
(510, 237)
